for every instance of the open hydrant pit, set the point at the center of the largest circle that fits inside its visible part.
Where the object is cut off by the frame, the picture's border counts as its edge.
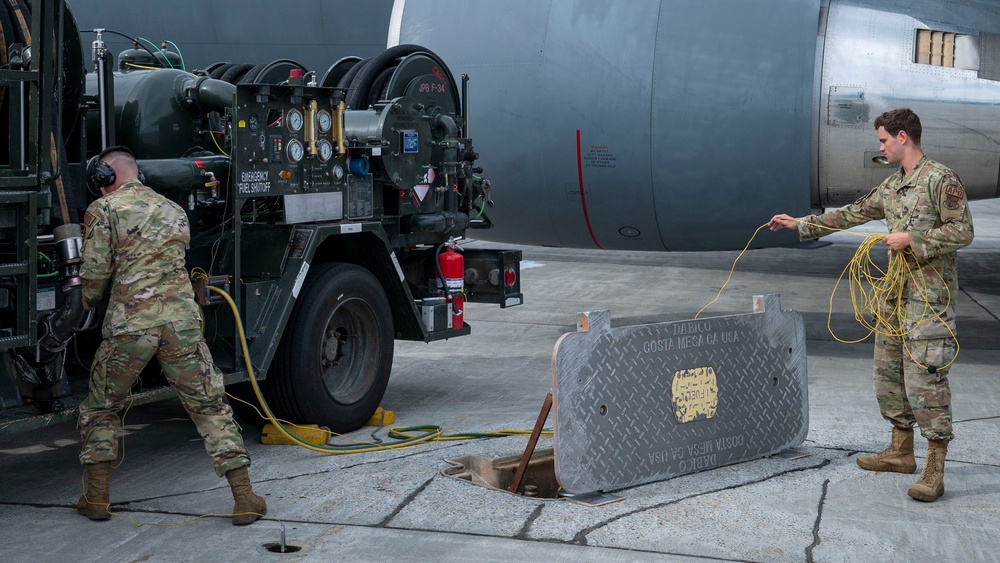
(539, 479)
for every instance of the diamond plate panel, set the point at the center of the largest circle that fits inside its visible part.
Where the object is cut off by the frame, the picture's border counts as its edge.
(644, 403)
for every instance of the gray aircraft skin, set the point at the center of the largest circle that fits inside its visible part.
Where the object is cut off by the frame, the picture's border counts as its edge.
(654, 124)
(685, 124)
(315, 33)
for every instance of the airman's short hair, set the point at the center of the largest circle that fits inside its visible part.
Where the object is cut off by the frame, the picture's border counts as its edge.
(902, 119)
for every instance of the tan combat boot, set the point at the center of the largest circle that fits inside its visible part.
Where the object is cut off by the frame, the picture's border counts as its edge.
(898, 457)
(930, 486)
(95, 502)
(249, 507)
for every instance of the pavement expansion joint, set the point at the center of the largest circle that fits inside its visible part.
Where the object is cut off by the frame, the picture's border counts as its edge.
(818, 523)
(604, 523)
(427, 449)
(535, 515)
(406, 501)
(975, 419)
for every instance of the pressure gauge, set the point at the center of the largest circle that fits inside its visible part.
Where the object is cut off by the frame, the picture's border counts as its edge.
(293, 118)
(324, 121)
(295, 150)
(324, 150)
(338, 172)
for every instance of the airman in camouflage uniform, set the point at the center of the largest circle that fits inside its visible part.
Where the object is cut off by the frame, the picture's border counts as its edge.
(135, 240)
(925, 208)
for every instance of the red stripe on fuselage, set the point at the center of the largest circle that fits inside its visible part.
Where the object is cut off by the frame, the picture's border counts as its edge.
(583, 197)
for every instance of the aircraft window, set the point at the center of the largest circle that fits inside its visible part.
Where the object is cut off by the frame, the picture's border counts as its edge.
(944, 48)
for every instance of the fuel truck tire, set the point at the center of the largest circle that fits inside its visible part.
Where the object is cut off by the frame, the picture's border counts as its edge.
(333, 363)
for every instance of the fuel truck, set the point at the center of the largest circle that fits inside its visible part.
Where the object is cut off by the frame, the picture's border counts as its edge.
(326, 203)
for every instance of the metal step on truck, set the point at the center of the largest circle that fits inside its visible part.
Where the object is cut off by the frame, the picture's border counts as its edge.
(326, 203)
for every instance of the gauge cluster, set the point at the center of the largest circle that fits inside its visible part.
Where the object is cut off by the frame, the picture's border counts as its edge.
(289, 144)
(290, 139)
(310, 159)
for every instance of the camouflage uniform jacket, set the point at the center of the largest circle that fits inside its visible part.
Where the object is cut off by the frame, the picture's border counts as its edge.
(930, 204)
(135, 239)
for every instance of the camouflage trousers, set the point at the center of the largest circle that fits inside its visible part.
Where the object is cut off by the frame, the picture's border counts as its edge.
(188, 366)
(907, 392)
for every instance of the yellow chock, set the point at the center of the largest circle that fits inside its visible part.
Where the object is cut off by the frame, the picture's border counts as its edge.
(382, 417)
(311, 433)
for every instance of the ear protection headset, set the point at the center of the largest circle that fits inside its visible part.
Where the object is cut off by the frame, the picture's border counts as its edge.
(100, 175)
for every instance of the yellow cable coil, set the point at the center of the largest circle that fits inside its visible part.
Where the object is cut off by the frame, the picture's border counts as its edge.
(871, 287)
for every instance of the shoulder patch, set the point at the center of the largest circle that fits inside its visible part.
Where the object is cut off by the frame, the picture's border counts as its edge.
(88, 221)
(953, 197)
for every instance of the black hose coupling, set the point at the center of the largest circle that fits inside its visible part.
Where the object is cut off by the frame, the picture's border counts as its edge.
(69, 242)
(55, 328)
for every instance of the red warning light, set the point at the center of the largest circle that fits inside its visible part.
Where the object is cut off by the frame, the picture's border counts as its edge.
(509, 277)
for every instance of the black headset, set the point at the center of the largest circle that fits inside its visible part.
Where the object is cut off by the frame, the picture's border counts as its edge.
(100, 175)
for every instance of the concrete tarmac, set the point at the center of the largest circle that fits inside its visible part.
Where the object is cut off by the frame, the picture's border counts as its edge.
(397, 504)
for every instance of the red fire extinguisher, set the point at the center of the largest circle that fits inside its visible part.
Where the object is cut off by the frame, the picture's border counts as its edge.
(452, 265)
